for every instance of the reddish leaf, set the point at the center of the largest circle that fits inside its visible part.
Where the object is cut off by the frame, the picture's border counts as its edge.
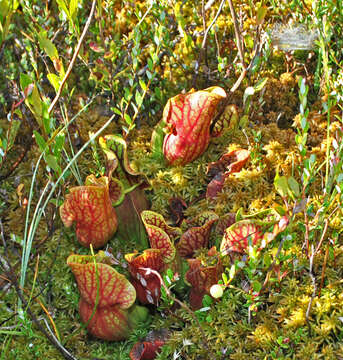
(115, 296)
(95, 47)
(147, 285)
(215, 186)
(188, 118)
(160, 234)
(148, 349)
(116, 190)
(236, 236)
(114, 288)
(201, 278)
(130, 225)
(155, 219)
(229, 163)
(177, 207)
(197, 237)
(108, 323)
(224, 222)
(90, 208)
(227, 120)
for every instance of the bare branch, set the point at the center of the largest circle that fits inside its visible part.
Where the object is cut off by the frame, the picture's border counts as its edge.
(72, 62)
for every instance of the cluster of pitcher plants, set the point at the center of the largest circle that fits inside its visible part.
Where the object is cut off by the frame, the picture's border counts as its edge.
(116, 204)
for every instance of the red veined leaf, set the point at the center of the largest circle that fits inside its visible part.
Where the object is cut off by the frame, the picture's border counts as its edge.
(90, 208)
(147, 285)
(114, 288)
(108, 323)
(188, 118)
(224, 222)
(236, 237)
(155, 219)
(160, 234)
(115, 296)
(201, 278)
(116, 190)
(197, 237)
(227, 120)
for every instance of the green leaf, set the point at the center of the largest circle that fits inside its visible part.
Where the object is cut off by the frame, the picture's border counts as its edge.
(40, 141)
(128, 119)
(260, 85)
(73, 8)
(59, 142)
(13, 132)
(143, 85)
(157, 139)
(52, 162)
(47, 46)
(63, 6)
(261, 14)
(281, 185)
(54, 81)
(138, 98)
(25, 81)
(256, 285)
(294, 186)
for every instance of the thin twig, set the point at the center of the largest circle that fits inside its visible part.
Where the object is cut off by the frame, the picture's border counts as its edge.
(323, 270)
(76, 52)
(202, 52)
(237, 34)
(212, 23)
(326, 224)
(313, 279)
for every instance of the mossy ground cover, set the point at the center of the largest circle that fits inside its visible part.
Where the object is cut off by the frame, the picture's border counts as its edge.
(283, 302)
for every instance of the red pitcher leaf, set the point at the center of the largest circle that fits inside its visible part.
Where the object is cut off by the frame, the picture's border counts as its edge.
(147, 285)
(229, 163)
(160, 240)
(148, 349)
(201, 278)
(116, 189)
(126, 190)
(227, 120)
(130, 225)
(155, 219)
(197, 237)
(151, 258)
(115, 149)
(108, 323)
(188, 119)
(236, 237)
(114, 288)
(90, 208)
(224, 222)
